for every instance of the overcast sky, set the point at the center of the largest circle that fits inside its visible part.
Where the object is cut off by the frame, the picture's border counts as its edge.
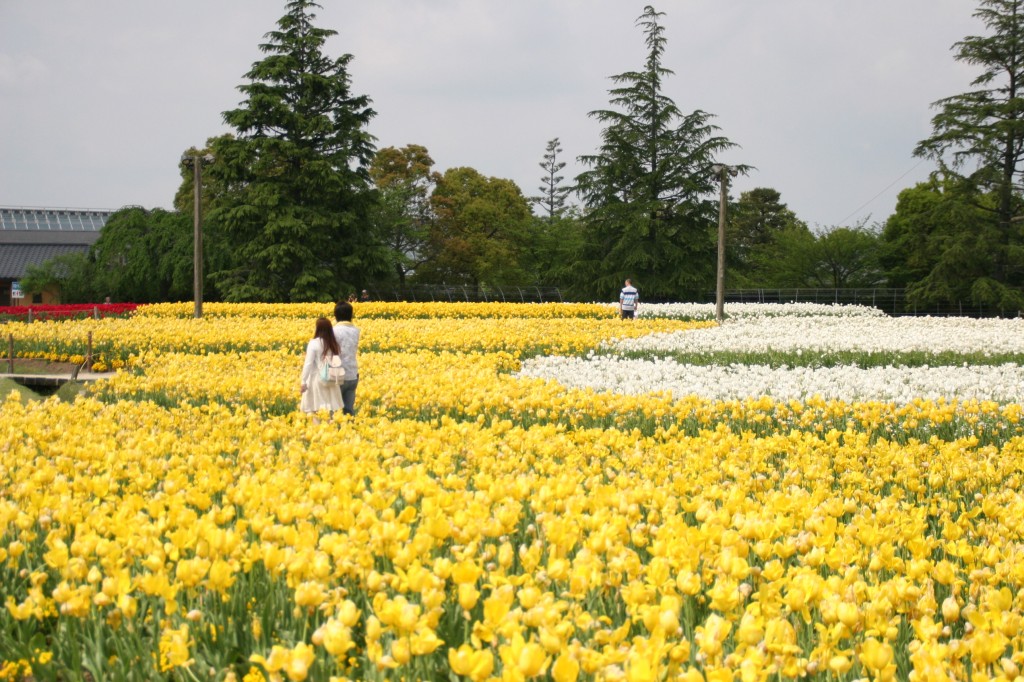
(825, 98)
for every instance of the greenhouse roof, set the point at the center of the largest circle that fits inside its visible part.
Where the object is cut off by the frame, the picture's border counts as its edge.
(52, 219)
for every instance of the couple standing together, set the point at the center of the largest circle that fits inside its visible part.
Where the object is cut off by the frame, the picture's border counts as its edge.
(320, 390)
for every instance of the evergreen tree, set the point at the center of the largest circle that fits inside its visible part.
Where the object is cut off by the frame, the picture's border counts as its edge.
(926, 249)
(649, 195)
(978, 138)
(295, 213)
(755, 222)
(549, 256)
(553, 194)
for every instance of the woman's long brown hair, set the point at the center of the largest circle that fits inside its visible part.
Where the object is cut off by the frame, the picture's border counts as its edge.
(325, 332)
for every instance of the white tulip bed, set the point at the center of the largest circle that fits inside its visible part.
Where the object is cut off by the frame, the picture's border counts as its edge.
(799, 351)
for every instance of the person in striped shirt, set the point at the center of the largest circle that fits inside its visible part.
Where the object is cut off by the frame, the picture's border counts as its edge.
(629, 301)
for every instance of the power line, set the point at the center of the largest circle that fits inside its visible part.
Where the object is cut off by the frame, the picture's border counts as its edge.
(883, 191)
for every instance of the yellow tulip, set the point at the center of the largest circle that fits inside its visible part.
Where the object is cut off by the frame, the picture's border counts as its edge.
(875, 655)
(401, 651)
(424, 641)
(641, 670)
(711, 635)
(848, 614)
(987, 647)
(839, 664)
(191, 475)
(749, 631)
(310, 594)
(465, 572)
(174, 648)
(565, 668)
(950, 609)
(468, 595)
(471, 663)
(335, 637)
(348, 613)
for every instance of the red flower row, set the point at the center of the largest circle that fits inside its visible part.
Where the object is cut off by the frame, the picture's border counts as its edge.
(78, 310)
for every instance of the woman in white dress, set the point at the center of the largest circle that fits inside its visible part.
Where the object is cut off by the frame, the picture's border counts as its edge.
(316, 394)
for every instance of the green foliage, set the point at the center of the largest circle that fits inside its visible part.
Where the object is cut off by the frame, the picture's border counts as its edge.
(848, 257)
(788, 260)
(481, 229)
(755, 222)
(144, 256)
(553, 194)
(978, 140)
(70, 391)
(915, 234)
(939, 245)
(649, 194)
(71, 274)
(548, 257)
(557, 235)
(404, 179)
(295, 215)
(843, 257)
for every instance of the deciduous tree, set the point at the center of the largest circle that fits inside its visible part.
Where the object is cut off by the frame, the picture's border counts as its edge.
(843, 257)
(480, 229)
(405, 179)
(70, 274)
(144, 256)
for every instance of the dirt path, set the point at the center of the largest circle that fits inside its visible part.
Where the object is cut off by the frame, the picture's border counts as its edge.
(29, 366)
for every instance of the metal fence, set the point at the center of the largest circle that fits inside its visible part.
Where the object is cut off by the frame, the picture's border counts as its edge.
(452, 293)
(890, 300)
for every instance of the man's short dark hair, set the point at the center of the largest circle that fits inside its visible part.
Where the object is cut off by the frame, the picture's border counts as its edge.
(343, 311)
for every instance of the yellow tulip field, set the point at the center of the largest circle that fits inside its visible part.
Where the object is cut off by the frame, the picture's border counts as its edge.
(183, 521)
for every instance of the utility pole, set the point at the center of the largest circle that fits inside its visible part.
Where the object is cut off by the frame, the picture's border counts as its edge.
(196, 162)
(723, 172)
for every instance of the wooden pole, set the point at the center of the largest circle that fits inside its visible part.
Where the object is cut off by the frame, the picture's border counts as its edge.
(197, 237)
(720, 279)
(10, 354)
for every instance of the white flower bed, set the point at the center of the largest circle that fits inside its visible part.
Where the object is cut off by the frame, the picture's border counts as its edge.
(858, 331)
(735, 311)
(1003, 383)
(830, 333)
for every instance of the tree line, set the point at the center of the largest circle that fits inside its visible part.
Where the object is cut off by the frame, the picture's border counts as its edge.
(298, 203)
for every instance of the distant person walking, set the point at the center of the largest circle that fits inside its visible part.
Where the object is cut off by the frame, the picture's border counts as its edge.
(629, 301)
(347, 335)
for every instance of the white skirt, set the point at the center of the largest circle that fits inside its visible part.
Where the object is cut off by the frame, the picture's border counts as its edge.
(320, 396)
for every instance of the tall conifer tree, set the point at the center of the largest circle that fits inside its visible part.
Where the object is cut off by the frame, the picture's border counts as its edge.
(649, 194)
(553, 193)
(297, 172)
(978, 140)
